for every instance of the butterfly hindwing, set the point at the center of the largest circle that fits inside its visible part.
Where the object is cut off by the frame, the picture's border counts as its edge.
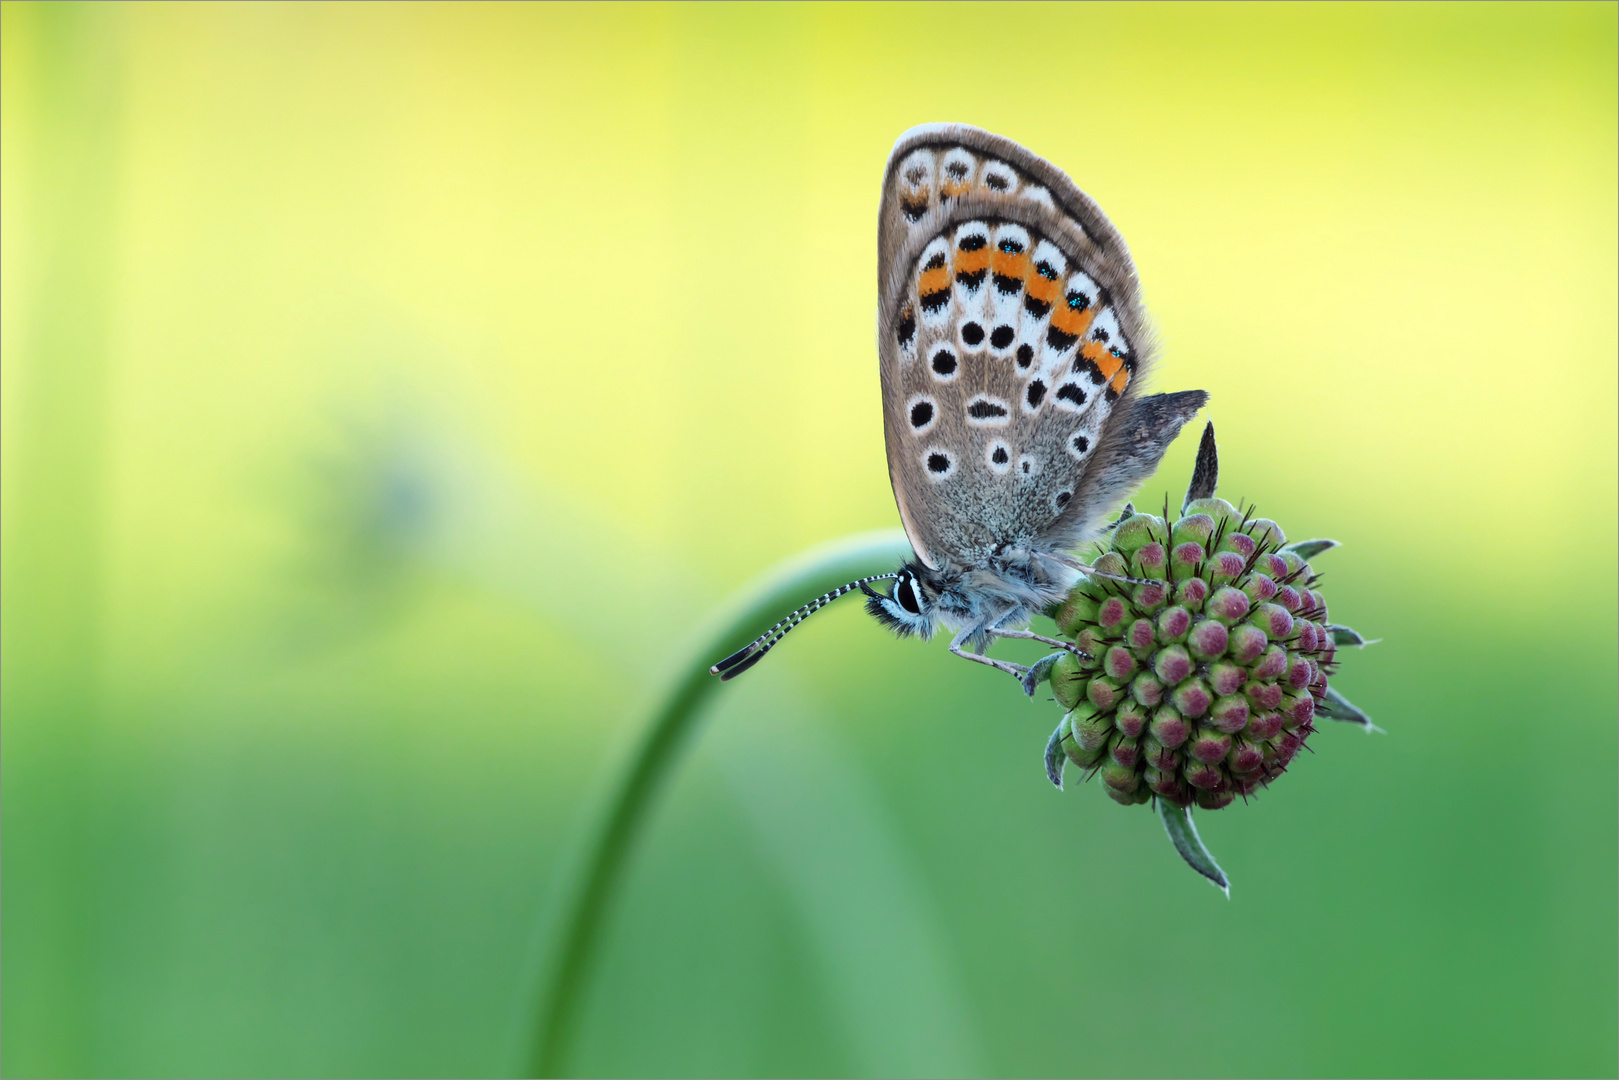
(1011, 337)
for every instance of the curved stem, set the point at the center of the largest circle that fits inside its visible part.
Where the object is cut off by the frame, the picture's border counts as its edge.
(780, 589)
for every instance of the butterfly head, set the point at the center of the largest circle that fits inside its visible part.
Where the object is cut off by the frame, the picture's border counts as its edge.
(910, 608)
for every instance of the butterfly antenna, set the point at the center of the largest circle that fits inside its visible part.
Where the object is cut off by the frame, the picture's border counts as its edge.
(754, 651)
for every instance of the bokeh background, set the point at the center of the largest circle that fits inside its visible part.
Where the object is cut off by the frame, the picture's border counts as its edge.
(390, 391)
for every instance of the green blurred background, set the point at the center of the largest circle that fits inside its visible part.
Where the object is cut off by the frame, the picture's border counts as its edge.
(390, 392)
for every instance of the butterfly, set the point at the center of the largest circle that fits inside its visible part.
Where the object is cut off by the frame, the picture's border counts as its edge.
(1012, 343)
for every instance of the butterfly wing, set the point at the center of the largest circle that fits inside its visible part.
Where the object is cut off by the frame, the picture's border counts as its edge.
(1012, 340)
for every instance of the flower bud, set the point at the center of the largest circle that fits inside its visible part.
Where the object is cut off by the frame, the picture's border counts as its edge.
(1191, 593)
(1131, 719)
(1263, 696)
(1266, 532)
(1104, 693)
(1192, 528)
(1270, 665)
(1149, 598)
(1119, 777)
(1076, 612)
(1151, 562)
(1169, 727)
(1191, 698)
(1173, 664)
(1274, 620)
(1142, 637)
(1068, 680)
(1300, 672)
(1125, 752)
(1159, 756)
(1262, 726)
(1112, 563)
(1218, 510)
(1136, 532)
(1229, 713)
(1247, 643)
(1120, 665)
(1240, 543)
(1092, 731)
(1209, 746)
(1297, 709)
(1208, 639)
(1204, 675)
(1079, 755)
(1111, 613)
(1245, 757)
(1147, 689)
(1225, 566)
(1226, 677)
(1200, 774)
(1272, 566)
(1186, 558)
(1259, 589)
(1173, 625)
(1227, 604)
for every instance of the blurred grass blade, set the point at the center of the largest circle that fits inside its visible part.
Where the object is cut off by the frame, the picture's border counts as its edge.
(655, 756)
(1178, 824)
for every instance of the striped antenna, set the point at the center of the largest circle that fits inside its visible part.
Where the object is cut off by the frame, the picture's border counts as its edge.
(754, 651)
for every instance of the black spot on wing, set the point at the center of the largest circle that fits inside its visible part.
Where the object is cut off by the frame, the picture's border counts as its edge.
(1057, 339)
(1036, 393)
(1002, 336)
(944, 362)
(1025, 355)
(972, 333)
(921, 414)
(985, 410)
(1070, 392)
(938, 462)
(906, 330)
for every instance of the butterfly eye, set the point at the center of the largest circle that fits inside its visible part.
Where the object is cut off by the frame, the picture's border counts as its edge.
(905, 593)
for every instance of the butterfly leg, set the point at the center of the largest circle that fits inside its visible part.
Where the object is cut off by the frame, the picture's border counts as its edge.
(1017, 671)
(1025, 635)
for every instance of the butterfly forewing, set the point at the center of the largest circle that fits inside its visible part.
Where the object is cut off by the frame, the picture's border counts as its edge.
(1010, 333)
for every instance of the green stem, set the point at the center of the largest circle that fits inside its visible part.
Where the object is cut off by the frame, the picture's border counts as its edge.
(756, 607)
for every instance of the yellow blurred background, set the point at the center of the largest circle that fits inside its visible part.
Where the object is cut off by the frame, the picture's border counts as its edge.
(390, 390)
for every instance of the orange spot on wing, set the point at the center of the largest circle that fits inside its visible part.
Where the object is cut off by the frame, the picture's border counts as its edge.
(1121, 380)
(1109, 365)
(954, 189)
(1071, 322)
(934, 281)
(1042, 288)
(970, 262)
(1012, 266)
